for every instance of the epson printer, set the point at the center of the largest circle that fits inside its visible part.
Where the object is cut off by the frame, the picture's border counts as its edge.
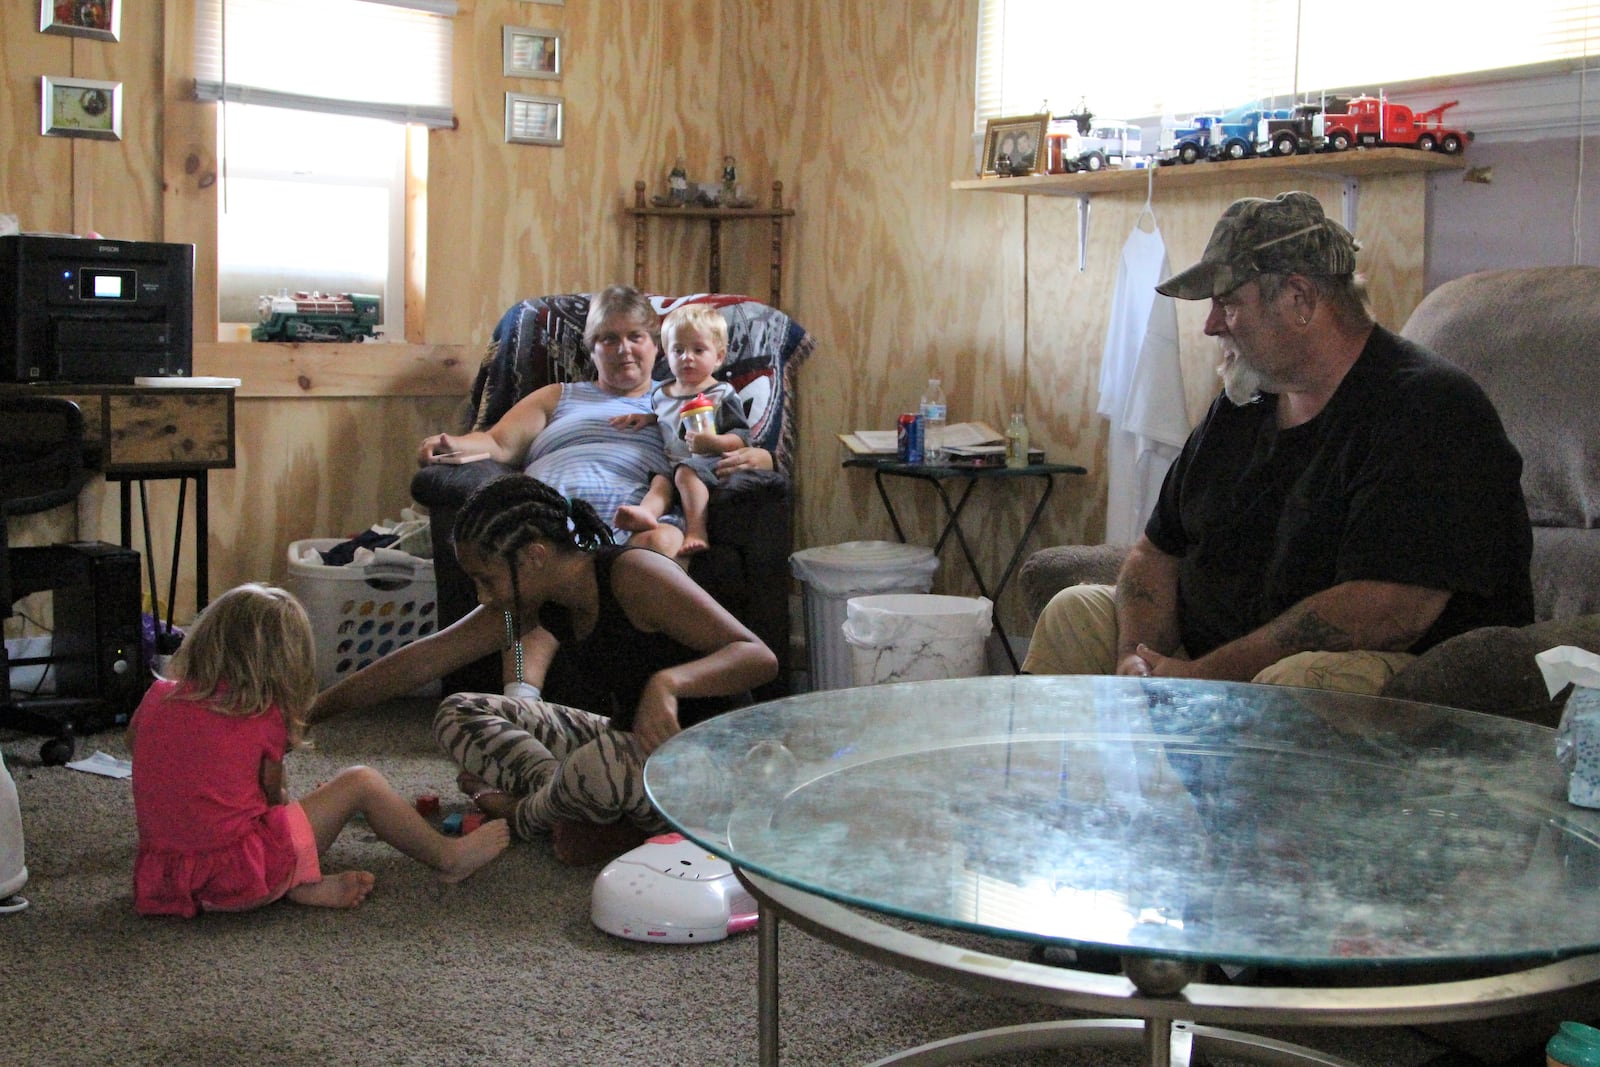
(95, 311)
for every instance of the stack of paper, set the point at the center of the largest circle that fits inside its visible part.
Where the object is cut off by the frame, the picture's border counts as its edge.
(959, 435)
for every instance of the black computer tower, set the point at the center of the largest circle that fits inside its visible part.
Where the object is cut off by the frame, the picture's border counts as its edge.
(95, 651)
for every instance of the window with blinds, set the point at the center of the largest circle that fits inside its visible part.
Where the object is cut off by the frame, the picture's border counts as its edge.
(316, 97)
(386, 59)
(1148, 58)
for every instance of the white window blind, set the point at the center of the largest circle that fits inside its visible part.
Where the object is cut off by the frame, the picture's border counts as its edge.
(1144, 58)
(386, 59)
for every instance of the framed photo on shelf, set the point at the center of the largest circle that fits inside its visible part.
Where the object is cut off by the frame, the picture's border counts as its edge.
(75, 107)
(533, 119)
(99, 19)
(1018, 142)
(531, 53)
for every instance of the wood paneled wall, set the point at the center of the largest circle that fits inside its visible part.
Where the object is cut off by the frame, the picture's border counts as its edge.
(862, 110)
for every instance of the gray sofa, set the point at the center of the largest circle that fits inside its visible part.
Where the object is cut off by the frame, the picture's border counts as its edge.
(1531, 338)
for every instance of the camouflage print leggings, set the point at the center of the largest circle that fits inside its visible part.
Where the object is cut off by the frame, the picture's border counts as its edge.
(563, 763)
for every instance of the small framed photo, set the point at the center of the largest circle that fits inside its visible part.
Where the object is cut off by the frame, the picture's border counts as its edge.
(81, 18)
(1014, 146)
(531, 53)
(74, 107)
(533, 119)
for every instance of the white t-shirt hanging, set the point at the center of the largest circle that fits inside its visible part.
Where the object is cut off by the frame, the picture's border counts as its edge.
(1141, 387)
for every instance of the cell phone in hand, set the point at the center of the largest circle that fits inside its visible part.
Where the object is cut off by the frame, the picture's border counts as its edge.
(457, 456)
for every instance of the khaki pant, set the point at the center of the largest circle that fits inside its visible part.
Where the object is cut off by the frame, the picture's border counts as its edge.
(1077, 634)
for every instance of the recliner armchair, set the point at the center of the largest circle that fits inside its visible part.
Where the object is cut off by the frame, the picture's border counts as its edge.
(1531, 338)
(540, 341)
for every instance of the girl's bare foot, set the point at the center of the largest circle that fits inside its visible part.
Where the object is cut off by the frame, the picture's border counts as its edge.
(634, 519)
(343, 890)
(693, 545)
(470, 783)
(463, 857)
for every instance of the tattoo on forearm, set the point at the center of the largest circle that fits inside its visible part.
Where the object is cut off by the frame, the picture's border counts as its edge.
(1132, 590)
(1306, 632)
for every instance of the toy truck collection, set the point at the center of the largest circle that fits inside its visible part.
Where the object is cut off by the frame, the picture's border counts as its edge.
(1334, 125)
(316, 317)
(1338, 124)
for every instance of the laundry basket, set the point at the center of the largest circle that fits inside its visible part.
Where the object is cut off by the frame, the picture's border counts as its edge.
(362, 612)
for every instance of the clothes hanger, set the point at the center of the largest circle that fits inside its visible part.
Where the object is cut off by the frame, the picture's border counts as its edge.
(1147, 210)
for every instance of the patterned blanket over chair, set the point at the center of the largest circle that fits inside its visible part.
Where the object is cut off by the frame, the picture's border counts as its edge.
(540, 341)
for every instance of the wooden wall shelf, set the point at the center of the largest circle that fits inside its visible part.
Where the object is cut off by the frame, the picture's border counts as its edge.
(1352, 165)
(641, 211)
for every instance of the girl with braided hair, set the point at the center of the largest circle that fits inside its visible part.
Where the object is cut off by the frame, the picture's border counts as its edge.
(635, 650)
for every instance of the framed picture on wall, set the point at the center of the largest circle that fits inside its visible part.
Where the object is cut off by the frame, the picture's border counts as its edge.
(74, 107)
(81, 18)
(531, 53)
(1013, 146)
(533, 119)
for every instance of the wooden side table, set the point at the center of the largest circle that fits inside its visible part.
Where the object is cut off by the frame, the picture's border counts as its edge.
(643, 211)
(147, 434)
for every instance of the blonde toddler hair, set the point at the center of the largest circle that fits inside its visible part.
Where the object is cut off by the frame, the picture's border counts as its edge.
(703, 320)
(250, 650)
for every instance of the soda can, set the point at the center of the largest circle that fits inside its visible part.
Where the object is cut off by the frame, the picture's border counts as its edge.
(909, 436)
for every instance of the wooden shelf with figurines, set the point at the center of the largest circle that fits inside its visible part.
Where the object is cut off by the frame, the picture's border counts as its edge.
(685, 201)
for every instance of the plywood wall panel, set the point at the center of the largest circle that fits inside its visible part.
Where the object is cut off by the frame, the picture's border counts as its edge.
(506, 221)
(862, 110)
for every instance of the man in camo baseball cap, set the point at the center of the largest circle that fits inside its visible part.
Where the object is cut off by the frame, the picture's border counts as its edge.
(1288, 234)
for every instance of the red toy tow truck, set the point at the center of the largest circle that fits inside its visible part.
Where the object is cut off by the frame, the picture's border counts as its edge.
(1373, 121)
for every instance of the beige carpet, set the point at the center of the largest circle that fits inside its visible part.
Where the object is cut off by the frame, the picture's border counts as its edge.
(505, 968)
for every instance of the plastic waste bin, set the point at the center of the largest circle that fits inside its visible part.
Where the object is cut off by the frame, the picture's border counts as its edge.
(911, 638)
(832, 574)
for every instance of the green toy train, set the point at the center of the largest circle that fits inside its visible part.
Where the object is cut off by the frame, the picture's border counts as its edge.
(317, 317)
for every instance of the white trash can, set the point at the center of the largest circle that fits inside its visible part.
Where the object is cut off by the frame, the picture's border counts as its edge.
(832, 575)
(909, 638)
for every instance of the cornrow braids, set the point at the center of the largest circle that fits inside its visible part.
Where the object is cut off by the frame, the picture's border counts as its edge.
(504, 515)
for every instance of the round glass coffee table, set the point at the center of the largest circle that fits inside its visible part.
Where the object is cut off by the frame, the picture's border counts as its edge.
(1173, 825)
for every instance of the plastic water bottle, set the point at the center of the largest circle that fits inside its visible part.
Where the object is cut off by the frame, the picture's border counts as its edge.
(933, 417)
(1017, 440)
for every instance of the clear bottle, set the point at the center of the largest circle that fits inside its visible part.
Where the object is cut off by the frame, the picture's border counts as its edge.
(1017, 439)
(933, 419)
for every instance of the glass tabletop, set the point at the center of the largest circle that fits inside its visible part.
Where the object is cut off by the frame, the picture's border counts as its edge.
(1209, 821)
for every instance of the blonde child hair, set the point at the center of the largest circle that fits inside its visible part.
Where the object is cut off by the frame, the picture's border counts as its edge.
(701, 319)
(251, 649)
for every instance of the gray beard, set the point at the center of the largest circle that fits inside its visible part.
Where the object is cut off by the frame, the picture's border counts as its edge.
(1240, 383)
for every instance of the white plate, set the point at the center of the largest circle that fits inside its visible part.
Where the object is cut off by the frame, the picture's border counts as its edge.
(178, 382)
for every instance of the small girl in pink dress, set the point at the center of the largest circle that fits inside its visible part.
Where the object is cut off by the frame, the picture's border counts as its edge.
(217, 830)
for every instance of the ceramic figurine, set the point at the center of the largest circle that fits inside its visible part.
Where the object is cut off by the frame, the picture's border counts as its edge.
(678, 184)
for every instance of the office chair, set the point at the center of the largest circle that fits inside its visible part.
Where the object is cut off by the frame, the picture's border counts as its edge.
(46, 464)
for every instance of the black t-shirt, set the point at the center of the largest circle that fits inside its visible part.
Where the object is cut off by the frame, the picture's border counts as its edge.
(1405, 476)
(605, 671)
